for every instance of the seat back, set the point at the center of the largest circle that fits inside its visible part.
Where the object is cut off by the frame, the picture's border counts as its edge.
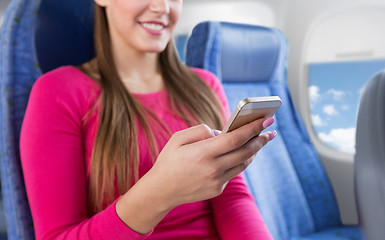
(287, 179)
(64, 33)
(370, 158)
(36, 37)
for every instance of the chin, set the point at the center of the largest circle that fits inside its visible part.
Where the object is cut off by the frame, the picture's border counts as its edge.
(155, 49)
(154, 46)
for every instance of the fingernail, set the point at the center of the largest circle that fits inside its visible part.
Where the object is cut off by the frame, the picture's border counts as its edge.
(216, 132)
(272, 135)
(268, 122)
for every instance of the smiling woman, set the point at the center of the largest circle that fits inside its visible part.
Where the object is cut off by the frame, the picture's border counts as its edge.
(126, 145)
(119, 139)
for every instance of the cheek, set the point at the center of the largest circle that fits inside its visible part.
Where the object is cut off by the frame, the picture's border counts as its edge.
(121, 15)
(175, 13)
(125, 10)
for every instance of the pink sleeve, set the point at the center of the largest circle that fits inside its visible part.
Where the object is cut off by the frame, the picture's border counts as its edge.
(235, 211)
(54, 168)
(236, 214)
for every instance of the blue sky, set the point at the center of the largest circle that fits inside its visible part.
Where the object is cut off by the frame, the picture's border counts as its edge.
(335, 89)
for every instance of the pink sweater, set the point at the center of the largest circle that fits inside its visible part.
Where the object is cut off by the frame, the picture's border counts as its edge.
(56, 146)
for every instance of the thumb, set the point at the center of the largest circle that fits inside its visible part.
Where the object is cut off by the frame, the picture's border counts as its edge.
(196, 134)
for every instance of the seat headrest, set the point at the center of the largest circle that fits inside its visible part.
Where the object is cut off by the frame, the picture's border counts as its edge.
(369, 159)
(64, 33)
(237, 52)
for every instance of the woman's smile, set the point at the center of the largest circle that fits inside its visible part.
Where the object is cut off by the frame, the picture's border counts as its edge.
(153, 27)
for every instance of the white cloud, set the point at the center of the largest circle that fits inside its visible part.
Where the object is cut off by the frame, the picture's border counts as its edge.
(314, 93)
(345, 107)
(342, 138)
(317, 121)
(330, 110)
(336, 94)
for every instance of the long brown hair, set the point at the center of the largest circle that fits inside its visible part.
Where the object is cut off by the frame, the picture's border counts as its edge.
(115, 157)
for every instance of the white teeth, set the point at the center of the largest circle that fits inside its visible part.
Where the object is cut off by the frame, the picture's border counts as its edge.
(153, 26)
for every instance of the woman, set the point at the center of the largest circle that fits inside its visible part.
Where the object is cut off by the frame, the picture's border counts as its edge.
(117, 149)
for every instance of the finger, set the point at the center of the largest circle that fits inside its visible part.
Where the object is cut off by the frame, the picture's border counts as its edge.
(236, 170)
(247, 151)
(193, 134)
(272, 135)
(236, 138)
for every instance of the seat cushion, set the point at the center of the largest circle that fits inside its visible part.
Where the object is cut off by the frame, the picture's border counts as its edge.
(341, 233)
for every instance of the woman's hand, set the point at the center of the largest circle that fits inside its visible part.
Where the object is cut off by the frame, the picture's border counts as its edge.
(194, 165)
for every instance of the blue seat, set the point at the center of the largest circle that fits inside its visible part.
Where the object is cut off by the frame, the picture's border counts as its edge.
(36, 36)
(369, 158)
(287, 179)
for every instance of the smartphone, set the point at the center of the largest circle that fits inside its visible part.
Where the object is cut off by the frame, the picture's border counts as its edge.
(250, 109)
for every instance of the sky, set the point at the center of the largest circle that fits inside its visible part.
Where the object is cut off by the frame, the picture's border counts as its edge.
(334, 90)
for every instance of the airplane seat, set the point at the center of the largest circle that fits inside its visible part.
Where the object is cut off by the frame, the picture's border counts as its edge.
(36, 36)
(369, 158)
(287, 178)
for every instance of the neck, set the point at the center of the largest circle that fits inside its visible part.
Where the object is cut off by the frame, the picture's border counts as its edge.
(139, 71)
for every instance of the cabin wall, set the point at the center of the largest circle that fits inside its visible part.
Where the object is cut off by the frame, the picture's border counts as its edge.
(323, 21)
(243, 11)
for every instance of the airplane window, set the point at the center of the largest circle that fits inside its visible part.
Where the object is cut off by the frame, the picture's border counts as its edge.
(344, 52)
(335, 90)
